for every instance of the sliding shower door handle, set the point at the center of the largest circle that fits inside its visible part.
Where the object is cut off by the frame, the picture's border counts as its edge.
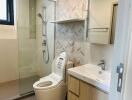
(120, 70)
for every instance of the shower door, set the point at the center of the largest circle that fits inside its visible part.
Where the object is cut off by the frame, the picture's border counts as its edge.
(27, 44)
(32, 33)
(48, 30)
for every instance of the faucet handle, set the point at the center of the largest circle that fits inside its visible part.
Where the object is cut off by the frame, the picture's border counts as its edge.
(102, 64)
(103, 61)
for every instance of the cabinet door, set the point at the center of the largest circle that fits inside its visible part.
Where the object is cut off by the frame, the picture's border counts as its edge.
(98, 95)
(99, 24)
(85, 91)
(73, 85)
(72, 96)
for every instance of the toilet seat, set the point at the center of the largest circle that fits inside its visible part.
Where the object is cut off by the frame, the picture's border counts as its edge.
(48, 82)
(53, 86)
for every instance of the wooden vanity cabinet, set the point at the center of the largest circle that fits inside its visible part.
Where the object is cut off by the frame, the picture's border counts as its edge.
(79, 90)
(71, 96)
(73, 85)
(98, 94)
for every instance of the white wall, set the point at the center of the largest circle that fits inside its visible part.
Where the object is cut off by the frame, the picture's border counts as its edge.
(7, 32)
(8, 53)
(102, 52)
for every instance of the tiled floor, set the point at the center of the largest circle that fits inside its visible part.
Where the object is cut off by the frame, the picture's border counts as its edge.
(13, 89)
(9, 90)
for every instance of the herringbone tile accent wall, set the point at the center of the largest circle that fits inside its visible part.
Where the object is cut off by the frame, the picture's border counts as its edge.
(70, 38)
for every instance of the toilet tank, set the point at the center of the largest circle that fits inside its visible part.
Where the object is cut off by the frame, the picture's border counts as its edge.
(60, 64)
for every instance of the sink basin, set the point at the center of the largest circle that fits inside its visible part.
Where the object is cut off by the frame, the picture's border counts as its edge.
(93, 75)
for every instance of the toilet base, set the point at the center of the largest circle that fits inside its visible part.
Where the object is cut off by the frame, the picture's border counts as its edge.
(55, 93)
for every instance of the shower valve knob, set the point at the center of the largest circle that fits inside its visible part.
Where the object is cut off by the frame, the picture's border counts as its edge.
(44, 43)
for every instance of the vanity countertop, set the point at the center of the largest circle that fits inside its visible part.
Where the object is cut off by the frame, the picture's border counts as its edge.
(93, 75)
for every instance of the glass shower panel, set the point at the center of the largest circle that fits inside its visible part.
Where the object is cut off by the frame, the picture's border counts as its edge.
(48, 13)
(36, 43)
(26, 27)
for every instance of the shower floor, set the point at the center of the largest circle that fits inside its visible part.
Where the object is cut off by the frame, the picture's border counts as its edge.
(29, 98)
(14, 89)
(9, 90)
(26, 84)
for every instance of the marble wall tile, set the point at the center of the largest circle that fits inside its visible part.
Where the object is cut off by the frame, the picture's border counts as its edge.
(70, 38)
(69, 9)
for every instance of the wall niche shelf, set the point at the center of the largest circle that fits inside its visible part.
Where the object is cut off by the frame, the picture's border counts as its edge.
(67, 21)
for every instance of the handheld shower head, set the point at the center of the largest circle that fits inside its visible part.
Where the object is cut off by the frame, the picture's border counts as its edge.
(40, 16)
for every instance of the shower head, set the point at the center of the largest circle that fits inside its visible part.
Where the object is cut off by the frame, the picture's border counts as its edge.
(40, 15)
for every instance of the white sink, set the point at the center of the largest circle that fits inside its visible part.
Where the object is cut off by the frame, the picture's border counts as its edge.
(92, 74)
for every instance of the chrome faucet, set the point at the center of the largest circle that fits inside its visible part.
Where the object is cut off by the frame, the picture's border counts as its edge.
(102, 64)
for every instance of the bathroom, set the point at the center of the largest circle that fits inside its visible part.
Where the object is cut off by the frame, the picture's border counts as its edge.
(90, 38)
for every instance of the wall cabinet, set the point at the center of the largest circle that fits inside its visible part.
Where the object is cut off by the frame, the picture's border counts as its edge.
(79, 90)
(99, 21)
(113, 22)
(71, 9)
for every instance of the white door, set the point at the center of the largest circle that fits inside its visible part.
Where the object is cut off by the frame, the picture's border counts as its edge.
(128, 80)
(121, 48)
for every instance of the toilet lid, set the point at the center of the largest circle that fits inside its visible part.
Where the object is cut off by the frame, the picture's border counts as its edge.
(48, 82)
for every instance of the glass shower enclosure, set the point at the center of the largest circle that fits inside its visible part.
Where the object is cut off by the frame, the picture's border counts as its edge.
(35, 41)
(26, 27)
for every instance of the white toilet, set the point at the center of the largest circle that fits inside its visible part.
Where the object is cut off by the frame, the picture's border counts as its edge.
(53, 87)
